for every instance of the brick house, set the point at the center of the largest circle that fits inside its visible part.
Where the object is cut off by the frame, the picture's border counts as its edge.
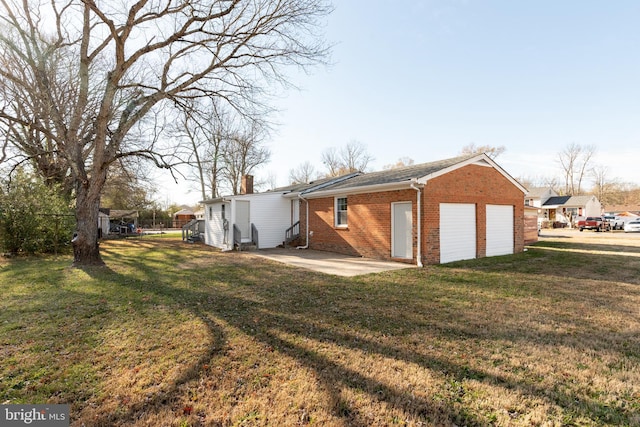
(460, 208)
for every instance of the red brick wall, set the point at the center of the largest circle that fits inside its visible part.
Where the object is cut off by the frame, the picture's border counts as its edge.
(368, 232)
(369, 215)
(479, 185)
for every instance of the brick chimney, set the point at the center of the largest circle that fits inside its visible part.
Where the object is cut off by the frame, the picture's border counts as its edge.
(246, 184)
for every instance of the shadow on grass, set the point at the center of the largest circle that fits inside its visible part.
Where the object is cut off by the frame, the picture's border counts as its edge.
(239, 313)
(347, 313)
(296, 312)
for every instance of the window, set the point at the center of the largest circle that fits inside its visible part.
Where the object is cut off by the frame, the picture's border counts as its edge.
(341, 211)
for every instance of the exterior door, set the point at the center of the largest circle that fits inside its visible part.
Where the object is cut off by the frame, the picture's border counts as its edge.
(457, 231)
(402, 230)
(499, 230)
(243, 220)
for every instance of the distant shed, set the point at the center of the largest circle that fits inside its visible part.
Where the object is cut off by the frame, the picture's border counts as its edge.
(183, 217)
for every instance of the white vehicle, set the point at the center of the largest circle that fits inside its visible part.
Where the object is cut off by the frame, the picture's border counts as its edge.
(615, 222)
(632, 226)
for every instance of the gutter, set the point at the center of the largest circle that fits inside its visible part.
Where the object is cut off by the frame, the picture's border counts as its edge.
(306, 246)
(419, 226)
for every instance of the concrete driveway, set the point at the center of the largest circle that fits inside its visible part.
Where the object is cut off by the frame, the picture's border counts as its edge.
(329, 262)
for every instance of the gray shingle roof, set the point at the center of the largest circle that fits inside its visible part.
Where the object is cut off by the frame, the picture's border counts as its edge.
(313, 185)
(537, 191)
(397, 175)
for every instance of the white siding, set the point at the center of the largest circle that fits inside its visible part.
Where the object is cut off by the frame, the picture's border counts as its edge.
(271, 214)
(593, 207)
(499, 230)
(457, 231)
(214, 232)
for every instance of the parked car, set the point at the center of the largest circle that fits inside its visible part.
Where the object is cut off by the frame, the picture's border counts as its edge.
(596, 223)
(632, 226)
(615, 222)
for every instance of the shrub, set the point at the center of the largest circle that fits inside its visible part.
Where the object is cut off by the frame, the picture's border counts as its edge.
(34, 218)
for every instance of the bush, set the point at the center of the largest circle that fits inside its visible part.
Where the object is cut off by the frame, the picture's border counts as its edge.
(34, 218)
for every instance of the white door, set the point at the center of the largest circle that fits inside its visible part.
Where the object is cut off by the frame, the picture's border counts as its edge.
(499, 230)
(402, 230)
(457, 231)
(243, 221)
(295, 211)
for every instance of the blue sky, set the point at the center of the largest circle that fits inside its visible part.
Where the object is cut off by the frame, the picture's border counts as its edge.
(422, 79)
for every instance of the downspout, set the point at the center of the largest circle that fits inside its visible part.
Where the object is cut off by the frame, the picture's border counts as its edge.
(306, 246)
(419, 226)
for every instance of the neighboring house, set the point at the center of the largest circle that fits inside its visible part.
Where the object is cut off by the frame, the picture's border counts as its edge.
(182, 217)
(461, 208)
(565, 209)
(561, 211)
(123, 221)
(535, 197)
(623, 210)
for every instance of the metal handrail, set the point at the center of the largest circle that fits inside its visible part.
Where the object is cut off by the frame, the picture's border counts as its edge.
(237, 237)
(254, 236)
(187, 227)
(292, 233)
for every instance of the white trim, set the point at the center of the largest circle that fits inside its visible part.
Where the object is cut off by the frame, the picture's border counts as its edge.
(335, 212)
(479, 160)
(419, 224)
(393, 229)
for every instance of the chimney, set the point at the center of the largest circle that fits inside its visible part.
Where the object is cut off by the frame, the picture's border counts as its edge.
(246, 185)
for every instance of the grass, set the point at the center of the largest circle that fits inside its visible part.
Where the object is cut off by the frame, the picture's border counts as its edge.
(182, 335)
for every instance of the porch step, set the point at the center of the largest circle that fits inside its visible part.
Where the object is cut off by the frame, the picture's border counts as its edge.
(248, 247)
(194, 239)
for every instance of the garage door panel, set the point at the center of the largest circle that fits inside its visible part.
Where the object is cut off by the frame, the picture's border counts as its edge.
(457, 231)
(499, 230)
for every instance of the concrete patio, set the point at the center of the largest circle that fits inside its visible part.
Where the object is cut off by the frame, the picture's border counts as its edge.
(329, 262)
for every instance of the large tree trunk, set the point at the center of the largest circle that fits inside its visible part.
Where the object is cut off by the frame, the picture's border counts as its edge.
(86, 251)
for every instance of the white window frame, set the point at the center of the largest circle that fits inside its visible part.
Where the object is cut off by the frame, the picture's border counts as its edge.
(336, 212)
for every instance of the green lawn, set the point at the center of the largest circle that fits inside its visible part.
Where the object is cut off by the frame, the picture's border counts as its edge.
(176, 334)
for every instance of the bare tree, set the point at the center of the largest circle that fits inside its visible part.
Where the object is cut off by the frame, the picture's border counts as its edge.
(203, 125)
(353, 157)
(93, 78)
(243, 153)
(331, 160)
(401, 163)
(127, 186)
(269, 183)
(489, 150)
(303, 173)
(574, 161)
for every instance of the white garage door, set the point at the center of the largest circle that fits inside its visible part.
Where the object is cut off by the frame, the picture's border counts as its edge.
(499, 230)
(457, 231)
